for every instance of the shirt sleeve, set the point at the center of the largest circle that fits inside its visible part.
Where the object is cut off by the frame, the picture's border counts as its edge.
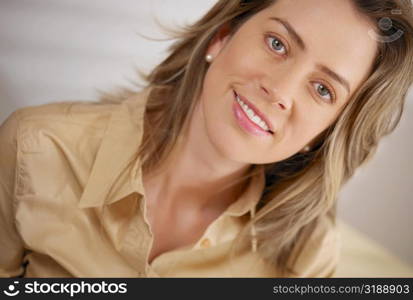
(11, 245)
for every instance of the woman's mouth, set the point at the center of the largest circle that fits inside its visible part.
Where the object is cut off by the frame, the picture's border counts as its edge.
(250, 118)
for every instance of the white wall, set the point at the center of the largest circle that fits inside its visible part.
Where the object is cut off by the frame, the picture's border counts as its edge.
(63, 50)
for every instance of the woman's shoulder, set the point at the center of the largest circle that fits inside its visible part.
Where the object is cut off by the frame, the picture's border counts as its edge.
(61, 124)
(74, 119)
(68, 139)
(64, 111)
(28, 125)
(69, 118)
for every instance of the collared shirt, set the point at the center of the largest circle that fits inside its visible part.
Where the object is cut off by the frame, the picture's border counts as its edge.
(72, 203)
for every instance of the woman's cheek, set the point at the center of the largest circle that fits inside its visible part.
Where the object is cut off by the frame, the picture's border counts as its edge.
(246, 62)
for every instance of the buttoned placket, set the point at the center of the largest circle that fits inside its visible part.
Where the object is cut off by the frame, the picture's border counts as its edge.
(206, 240)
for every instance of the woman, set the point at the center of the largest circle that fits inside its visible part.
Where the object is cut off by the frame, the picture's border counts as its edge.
(227, 164)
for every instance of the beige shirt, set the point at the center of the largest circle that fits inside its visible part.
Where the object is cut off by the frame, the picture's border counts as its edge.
(72, 203)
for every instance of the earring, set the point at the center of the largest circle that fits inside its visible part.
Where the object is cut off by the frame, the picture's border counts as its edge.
(306, 148)
(209, 58)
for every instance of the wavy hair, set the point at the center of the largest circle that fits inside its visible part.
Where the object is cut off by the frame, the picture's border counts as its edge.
(303, 188)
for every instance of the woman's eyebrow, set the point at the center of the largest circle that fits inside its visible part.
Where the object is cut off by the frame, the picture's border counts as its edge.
(299, 41)
(291, 31)
(335, 76)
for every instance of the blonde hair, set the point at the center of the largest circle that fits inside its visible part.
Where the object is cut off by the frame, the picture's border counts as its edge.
(302, 189)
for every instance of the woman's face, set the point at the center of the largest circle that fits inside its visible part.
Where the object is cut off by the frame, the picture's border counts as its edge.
(297, 63)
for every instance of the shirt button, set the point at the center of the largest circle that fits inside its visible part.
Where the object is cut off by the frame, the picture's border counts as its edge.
(206, 243)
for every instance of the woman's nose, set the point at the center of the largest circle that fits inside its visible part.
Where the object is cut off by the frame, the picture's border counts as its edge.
(276, 99)
(281, 88)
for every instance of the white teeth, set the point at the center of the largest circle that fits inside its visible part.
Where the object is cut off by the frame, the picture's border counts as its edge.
(251, 115)
(256, 120)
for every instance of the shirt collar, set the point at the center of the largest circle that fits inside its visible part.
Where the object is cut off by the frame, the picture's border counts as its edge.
(116, 161)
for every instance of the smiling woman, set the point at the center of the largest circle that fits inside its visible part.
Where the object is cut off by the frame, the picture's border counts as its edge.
(228, 163)
(298, 99)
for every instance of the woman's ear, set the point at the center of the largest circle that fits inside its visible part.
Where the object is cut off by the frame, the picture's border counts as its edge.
(219, 41)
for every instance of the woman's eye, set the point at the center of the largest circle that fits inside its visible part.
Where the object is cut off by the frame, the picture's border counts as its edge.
(276, 45)
(324, 92)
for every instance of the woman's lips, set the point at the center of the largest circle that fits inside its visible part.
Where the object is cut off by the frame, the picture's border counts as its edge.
(256, 111)
(245, 123)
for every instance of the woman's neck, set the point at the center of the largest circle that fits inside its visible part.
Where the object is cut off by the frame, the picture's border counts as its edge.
(196, 171)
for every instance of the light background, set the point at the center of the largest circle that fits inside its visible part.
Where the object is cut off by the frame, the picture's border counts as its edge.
(64, 50)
